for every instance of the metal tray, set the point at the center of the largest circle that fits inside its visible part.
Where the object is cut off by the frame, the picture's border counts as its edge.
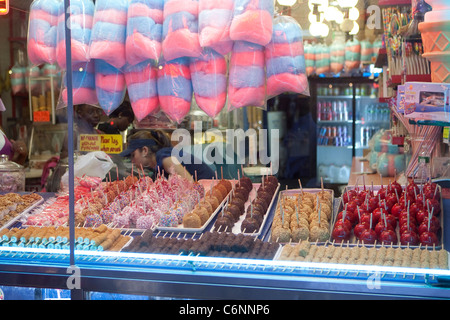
(353, 239)
(237, 226)
(295, 192)
(206, 184)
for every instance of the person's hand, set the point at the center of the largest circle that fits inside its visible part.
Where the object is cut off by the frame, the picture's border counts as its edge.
(19, 147)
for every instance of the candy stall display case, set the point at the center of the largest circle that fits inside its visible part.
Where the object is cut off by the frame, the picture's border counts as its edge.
(201, 277)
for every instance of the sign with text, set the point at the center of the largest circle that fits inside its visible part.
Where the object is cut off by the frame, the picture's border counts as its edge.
(108, 143)
(41, 116)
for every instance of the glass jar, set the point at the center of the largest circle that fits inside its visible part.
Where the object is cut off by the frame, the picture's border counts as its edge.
(12, 175)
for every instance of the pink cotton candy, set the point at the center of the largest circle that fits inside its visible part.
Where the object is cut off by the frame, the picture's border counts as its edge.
(141, 75)
(248, 58)
(141, 10)
(253, 26)
(111, 52)
(283, 49)
(174, 6)
(79, 52)
(217, 39)
(219, 66)
(244, 97)
(144, 107)
(109, 82)
(81, 96)
(37, 52)
(140, 48)
(111, 15)
(42, 15)
(286, 82)
(181, 43)
(175, 108)
(212, 106)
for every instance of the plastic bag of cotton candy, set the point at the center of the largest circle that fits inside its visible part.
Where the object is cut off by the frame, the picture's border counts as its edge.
(285, 60)
(41, 42)
(180, 29)
(109, 31)
(209, 81)
(81, 19)
(247, 77)
(252, 21)
(175, 88)
(214, 21)
(144, 30)
(141, 80)
(83, 85)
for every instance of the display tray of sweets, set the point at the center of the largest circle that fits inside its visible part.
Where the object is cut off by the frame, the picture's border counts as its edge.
(195, 213)
(101, 238)
(408, 215)
(247, 209)
(346, 253)
(13, 206)
(303, 214)
(212, 244)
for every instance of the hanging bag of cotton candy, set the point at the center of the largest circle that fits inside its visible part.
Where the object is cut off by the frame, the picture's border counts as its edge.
(80, 24)
(247, 77)
(109, 32)
(141, 81)
(337, 55)
(252, 21)
(285, 60)
(175, 88)
(110, 86)
(214, 21)
(41, 41)
(83, 85)
(144, 30)
(310, 58)
(209, 81)
(17, 79)
(352, 55)
(180, 29)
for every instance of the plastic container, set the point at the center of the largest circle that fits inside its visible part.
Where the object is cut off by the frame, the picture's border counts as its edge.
(435, 36)
(12, 175)
(440, 66)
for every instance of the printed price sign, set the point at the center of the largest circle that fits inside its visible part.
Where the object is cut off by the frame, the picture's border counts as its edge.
(41, 116)
(109, 143)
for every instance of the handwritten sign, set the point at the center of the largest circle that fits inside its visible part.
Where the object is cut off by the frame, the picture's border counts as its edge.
(41, 116)
(109, 143)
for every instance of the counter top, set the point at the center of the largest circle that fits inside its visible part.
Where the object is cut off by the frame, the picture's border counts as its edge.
(360, 168)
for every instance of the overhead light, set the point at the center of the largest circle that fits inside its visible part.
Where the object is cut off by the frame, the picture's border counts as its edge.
(287, 3)
(332, 13)
(319, 29)
(355, 28)
(347, 3)
(353, 14)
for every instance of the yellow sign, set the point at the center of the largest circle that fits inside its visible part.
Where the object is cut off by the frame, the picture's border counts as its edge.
(109, 143)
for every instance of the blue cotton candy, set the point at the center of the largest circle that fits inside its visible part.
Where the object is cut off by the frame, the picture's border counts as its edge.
(105, 31)
(208, 85)
(142, 90)
(247, 77)
(180, 20)
(293, 65)
(175, 86)
(287, 33)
